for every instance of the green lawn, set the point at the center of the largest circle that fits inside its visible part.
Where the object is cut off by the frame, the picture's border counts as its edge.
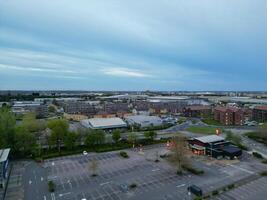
(211, 121)
(202, 129)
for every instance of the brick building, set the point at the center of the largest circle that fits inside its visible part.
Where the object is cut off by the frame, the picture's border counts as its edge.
(229, 115)
(197, 111)
(259, 113)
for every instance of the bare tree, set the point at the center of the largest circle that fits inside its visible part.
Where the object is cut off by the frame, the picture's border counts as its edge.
(178, 156)
(93, 166)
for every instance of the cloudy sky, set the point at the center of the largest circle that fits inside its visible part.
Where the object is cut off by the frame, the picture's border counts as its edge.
(133, 45)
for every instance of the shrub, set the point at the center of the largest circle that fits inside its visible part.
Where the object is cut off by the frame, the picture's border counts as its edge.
(264, 173)
(215, 192)
(264, 161)
(257, 155)
(179, 172)
(193, 170)
(124, 154)
(231, 186)
(133, 185)
(51, 186)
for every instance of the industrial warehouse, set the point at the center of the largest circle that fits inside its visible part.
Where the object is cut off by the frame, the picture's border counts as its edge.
(215, 146)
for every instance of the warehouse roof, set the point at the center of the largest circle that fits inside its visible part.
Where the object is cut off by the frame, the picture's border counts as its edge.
(209, 138)
(144, 120)
(103, 123)
(4, 154)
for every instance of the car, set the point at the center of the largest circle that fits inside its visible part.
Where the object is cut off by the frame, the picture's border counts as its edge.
(85, 153)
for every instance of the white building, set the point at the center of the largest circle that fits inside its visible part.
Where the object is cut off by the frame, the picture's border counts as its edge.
(104, 123)
(144, 120)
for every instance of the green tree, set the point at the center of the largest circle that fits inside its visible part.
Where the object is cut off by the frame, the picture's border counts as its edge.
(150, 135)
(51, 109)
(30, 122)
(90, 140)
(59, 129)
(25, 141)
(132, 137)
(70, 140)
(99, 136)
(116, 135)
(7, 128)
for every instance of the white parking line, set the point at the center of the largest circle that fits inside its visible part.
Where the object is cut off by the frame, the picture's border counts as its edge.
(53, 196)
(101, 184)
(182, 185)
(154, 170)
(242, 169)
(44, 197)
(67, 193)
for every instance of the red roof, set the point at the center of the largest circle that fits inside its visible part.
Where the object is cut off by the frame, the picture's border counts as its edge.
(261, 107)
(225, 109)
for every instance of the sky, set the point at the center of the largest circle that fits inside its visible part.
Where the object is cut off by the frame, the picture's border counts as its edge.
(168, 45)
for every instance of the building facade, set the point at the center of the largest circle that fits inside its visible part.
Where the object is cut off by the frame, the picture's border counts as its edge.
(259, 114)
(229, 115)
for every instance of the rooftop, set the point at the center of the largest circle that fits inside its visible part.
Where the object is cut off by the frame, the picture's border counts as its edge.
(209, 138)
(4, 154)
(260, 108)
(102, 123)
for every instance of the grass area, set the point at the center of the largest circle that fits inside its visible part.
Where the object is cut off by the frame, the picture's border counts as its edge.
(202, 129)
(211, 121)
(258, 136)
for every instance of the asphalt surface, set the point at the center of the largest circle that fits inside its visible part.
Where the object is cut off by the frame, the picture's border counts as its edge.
(73, 180)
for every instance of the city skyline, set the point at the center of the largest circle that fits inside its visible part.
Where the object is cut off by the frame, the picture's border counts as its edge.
(123, 45)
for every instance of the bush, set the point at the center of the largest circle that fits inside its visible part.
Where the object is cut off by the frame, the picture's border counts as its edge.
(264, 161)
(133, 185)
(179, 172)
(124, 154)
(231, 186)
(215, 192)
(257, 155)
(193, 170)
(264, 173)
(51, 186)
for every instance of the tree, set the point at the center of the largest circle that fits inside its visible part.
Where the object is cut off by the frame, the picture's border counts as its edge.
(99, 136)
(90, 140)
(95, 137)
(7, 128)
(25, 141)
(93, 166)
(236, 139)
(116, 135)
(51, 109)
(59, 129)
(70, 140)
(150, 135)
(30, 122)
(132, 137)
(178, 156)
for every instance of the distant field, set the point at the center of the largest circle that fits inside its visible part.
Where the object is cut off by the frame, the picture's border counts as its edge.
(202, 129)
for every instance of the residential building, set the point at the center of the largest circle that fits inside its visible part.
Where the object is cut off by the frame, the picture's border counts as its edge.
(259, 113)
(23, 107)
(197, 111)
(79, 107)
(229, 115)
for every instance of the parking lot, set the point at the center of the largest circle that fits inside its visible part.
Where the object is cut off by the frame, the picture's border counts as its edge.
(73, 181)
